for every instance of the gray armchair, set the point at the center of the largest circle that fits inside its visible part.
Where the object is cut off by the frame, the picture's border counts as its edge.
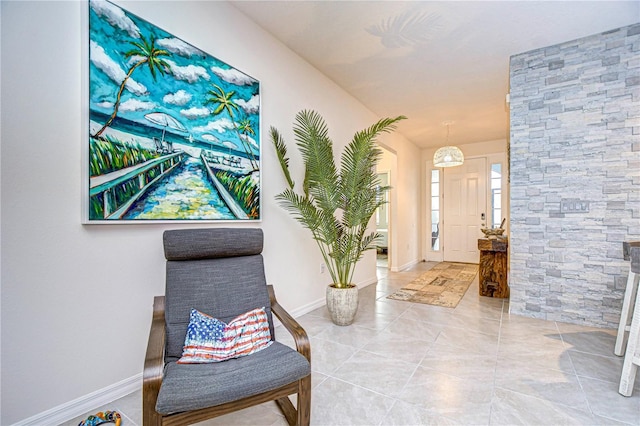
(219, 272)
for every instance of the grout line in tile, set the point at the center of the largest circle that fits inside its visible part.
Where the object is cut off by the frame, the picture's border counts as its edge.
(495, 367)
(543, 399)
(128, 421)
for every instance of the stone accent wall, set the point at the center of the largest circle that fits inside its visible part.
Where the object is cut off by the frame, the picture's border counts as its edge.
(575, 176)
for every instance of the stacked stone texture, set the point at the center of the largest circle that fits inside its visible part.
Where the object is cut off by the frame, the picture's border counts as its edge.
(575, 134)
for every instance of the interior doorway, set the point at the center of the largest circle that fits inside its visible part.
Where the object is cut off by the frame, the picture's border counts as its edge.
(382, 223)
(385, 216)
(465, 208)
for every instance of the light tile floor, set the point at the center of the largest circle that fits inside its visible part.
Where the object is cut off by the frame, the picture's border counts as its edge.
(410, 364)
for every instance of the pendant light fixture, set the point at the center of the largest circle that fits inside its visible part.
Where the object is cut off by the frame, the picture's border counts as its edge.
(448, 156)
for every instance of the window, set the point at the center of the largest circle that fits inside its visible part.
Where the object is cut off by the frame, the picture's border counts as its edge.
(496, 195)
(435, 210)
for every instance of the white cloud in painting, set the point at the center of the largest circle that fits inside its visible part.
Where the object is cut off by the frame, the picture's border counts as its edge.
(177, 46)
(220, 126)
(104, 63)
(136, 105)
(251, 106)
(230, 144)
(190, 73)
(250, 141)
(181, 97)
(195, 112)
(209, 138)
(115, 17)
(233, 76)
(105, 105)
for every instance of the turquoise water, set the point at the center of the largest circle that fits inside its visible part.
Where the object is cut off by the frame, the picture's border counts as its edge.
(186, 193)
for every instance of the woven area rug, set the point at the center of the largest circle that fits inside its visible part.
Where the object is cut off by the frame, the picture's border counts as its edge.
(442, 285)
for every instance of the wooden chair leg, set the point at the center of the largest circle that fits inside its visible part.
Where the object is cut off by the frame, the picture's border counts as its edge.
(304, 401)
(287, 409)
(302, 415)
(151, 417)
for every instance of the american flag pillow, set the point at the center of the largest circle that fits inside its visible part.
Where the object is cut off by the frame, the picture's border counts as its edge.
(211, 340)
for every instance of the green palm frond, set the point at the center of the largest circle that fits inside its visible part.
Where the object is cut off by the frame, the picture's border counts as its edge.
(301, 208)
(321, 177)
(358, 175)
(368, 241)
(281, 152)
(321, 225)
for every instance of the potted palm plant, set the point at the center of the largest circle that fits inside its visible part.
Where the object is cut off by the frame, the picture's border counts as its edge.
(336, 205)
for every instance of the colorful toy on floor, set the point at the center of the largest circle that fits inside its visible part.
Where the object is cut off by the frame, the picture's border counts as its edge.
(102, 417)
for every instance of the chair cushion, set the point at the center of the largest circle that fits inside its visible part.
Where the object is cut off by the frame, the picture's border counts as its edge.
(211, 340)
(188, 387)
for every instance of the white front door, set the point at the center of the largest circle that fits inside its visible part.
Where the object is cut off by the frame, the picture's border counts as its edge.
(465, 209)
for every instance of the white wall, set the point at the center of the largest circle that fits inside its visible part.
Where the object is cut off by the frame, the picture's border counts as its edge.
(405, 205)
(76, 300)
(400, 159)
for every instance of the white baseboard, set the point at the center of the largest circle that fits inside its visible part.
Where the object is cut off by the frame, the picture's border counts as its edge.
(405, 266)
(305, 309)
(367, 282)
(84, 404)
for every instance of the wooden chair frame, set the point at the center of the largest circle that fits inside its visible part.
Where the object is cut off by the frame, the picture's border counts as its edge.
(154, 367)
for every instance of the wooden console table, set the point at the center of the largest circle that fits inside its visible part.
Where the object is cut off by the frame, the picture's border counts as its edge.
(493, 267)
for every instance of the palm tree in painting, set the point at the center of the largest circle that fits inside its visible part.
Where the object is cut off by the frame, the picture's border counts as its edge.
(246, 129)
(224, 101)
(145, 52)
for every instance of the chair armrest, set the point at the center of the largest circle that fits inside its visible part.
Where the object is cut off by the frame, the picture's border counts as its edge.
(299, 335)
(154, 358)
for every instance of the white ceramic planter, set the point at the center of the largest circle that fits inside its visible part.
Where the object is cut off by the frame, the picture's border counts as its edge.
(342, 304)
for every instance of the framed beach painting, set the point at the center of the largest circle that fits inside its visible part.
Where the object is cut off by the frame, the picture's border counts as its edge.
(173, 132)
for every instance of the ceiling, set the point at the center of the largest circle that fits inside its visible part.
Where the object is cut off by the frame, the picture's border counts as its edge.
(433, 61)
